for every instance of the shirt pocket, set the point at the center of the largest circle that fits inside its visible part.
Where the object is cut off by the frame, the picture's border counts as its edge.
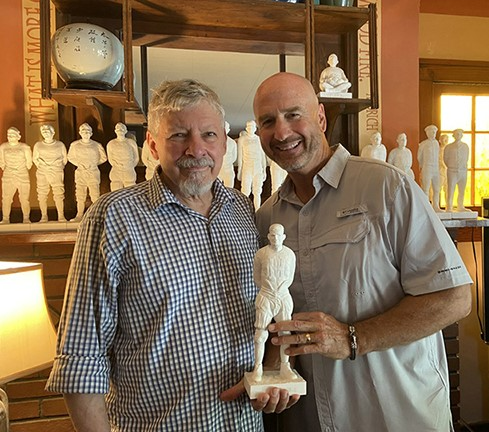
(351, 229)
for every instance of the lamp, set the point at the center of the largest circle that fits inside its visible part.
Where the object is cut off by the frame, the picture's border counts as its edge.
(27, 336)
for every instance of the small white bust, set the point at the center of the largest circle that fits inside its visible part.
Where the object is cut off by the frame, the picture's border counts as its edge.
(428, 158)
(333, 81)
(375, 150)
(123, 156)
(401, 157)
(50, 157)
(86, 154)
(273, 270)
(456, 156)
(227, 174)
(149, 161)
(15, 162)
(252, 163)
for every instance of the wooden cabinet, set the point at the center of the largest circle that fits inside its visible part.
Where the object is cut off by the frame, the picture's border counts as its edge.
(260, 26)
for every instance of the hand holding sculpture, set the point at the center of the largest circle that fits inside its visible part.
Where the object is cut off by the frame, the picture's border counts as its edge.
(50, 157)
(86, 154)
(375, 150)
(273, 269)
(123, 156)
(401, 157)
(15, 162)
(456, 156)
(428, 158)
(333, 80)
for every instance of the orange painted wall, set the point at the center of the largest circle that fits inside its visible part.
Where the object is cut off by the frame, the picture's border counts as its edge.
(400, 73)
(11, 71)
(477, 8)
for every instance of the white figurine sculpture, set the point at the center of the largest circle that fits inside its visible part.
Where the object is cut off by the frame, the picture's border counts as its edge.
(149, 161)
(227, 174)
(375, 150)
(123, 156)
(86, 154)
(277, 175)
(50, 157)
(401, 157)
(428, 158)
(442, 167)
(273, 270)
(252, 163)
(456, 156)
(333, 81)
(15, 162)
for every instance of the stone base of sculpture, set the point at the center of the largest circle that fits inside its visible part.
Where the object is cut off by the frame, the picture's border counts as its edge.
(443, 215)
(466, 214)
(342, 95)
(272, 378)
(448, 215)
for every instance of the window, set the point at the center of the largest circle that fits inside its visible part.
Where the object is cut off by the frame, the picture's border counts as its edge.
(469, 110)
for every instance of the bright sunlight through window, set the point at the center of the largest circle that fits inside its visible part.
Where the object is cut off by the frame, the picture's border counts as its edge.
(470, 113)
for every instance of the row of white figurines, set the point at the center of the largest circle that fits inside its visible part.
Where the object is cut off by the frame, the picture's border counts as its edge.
(50, 157)
(442, 165)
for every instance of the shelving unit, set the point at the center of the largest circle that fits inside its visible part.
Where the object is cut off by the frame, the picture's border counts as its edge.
(260, 26)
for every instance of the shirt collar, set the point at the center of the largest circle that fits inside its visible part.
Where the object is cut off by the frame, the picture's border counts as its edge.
(331, 174)
(161, 195)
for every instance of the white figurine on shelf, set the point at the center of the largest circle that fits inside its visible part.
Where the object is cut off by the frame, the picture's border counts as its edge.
(227, 174)
(252, 163)
(428, 158)
(456, 156)
(15, 162)
(401, 157)
(86, 154)
(277, 175)
(442, 167)
(50, 157)
(149, 161)
(333, 81)
(375, 150)
(123, 156)
(273, 270)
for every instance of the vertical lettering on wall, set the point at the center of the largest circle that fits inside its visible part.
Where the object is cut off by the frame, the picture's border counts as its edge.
(38, 111)
(369, 119)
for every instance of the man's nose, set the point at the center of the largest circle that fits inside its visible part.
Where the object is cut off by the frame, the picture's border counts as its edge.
(196, 146)
(282, 129)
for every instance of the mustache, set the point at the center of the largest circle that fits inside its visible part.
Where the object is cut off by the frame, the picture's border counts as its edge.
(191, 162)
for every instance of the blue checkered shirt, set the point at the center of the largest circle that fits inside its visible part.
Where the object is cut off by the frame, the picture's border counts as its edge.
(159, 310)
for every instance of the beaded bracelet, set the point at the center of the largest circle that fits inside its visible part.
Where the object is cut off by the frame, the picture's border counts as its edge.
(353, 341)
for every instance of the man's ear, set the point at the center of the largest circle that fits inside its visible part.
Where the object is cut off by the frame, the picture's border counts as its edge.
(152, 145)
(323, 122)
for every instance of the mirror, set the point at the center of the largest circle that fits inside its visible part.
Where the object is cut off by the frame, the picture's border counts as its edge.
(234, 76)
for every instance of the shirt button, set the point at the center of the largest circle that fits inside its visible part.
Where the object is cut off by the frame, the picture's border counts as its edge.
(305, 252)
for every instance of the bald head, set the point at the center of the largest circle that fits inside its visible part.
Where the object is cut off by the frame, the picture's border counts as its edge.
(291, 123)
(281, 84)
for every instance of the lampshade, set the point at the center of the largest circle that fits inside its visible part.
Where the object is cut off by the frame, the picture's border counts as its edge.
(27, 336)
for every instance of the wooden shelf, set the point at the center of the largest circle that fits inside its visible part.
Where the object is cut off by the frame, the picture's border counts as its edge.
(345, 106)
(79, 98)
(251, 26)
(21, 238)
